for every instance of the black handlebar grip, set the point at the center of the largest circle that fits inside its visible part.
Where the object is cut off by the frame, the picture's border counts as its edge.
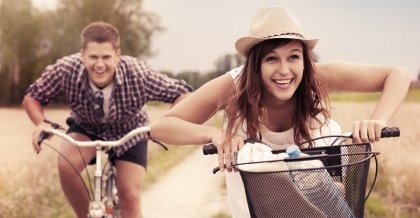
(69, 121)
(42, 137)
(390, 132)
(209, 149)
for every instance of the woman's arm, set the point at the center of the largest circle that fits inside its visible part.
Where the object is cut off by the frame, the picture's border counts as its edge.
(392, 81)
(180, 98)
(183, 124)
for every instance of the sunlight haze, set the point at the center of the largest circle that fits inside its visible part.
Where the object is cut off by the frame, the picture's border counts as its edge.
(199, 32)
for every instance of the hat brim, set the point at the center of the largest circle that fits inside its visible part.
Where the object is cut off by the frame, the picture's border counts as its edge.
(244, 44)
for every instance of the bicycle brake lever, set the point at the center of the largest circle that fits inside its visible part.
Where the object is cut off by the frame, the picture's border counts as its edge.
(160, 143)
(215, 170)
(54, 125)
(157, 142)
(42, 137)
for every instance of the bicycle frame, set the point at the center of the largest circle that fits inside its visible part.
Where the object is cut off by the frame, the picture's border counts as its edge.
(97, 205)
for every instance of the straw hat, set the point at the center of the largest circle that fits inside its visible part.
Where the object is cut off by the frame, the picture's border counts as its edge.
(274, 22)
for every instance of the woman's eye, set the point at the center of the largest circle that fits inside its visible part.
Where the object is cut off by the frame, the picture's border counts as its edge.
(270, 59)
(294, 57)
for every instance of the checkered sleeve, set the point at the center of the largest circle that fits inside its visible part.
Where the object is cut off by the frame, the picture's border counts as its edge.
(160, 87)
(47, 87)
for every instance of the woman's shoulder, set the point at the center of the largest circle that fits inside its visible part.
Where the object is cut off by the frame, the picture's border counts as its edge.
(234, 73)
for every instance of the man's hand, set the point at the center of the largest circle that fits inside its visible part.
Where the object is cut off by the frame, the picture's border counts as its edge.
(35, 135)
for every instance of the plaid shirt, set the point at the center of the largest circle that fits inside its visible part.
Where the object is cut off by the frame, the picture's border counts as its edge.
(135, 84)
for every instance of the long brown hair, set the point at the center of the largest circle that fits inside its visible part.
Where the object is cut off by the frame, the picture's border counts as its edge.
(245, 101)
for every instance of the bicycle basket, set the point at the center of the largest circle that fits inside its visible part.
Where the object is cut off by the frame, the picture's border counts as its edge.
(333, 190)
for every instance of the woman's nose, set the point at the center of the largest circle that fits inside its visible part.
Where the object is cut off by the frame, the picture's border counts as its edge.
(283, 68)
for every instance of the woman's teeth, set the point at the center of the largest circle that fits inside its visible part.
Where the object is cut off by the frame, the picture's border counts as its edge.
(282, 81)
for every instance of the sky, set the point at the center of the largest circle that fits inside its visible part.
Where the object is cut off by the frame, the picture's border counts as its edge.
(197, 32)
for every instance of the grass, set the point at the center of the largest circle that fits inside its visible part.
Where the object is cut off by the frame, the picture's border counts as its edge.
(222, 215)
(396, 192)
(413, 95)
(376, 208)
(33, 190)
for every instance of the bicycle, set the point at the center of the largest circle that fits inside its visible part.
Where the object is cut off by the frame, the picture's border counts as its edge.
(103, 202)
(272, 190)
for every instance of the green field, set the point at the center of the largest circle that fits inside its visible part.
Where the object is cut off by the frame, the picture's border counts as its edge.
(413, 95)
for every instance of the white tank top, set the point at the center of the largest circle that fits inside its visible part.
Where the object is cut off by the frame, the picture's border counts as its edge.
(276, 140)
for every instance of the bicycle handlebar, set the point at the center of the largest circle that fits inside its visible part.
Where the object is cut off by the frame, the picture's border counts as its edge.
(48, 131)
(390, 132)
(386, 132)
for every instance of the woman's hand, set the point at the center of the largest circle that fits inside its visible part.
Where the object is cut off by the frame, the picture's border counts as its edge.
(366, 131)
(226, 151)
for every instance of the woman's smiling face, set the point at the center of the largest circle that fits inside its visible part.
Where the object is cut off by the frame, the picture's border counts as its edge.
(282, 71)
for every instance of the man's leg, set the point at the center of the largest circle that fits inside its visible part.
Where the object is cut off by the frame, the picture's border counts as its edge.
(71, 183)
(130, 177)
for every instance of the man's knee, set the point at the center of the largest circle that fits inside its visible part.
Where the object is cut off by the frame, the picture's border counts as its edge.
(129, 200)
(64, 168)
(68, 169)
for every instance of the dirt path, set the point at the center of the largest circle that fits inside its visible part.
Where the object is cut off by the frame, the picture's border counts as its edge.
(188, 190)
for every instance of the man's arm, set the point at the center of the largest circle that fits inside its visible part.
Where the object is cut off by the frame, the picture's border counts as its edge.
(35, 112)
(34, 109)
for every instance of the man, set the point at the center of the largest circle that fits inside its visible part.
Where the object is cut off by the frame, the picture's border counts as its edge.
(107, 93)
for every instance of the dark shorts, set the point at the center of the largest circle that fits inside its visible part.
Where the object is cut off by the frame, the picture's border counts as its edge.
(136, 154)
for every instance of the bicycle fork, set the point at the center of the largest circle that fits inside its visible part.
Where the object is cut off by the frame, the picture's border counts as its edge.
(97, 207)
(110, 196)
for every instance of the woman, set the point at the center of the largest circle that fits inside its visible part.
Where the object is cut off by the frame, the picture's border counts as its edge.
(279, 96)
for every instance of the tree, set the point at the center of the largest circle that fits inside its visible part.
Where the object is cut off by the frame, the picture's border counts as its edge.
(135, 25)
(31, 39)
(19, 37)
(228, 62)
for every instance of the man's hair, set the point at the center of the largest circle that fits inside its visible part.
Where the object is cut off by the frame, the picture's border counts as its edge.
(100, 32)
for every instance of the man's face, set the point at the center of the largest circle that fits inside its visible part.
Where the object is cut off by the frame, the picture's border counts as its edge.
(100, 60)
